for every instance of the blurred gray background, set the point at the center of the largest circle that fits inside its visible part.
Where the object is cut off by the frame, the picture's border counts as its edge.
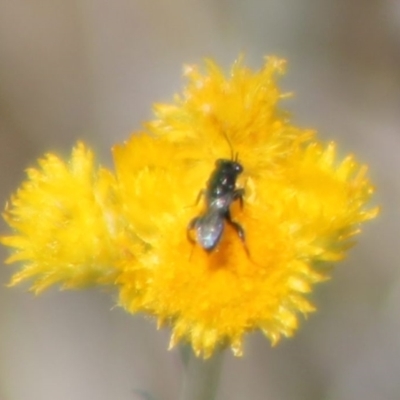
(91, 70)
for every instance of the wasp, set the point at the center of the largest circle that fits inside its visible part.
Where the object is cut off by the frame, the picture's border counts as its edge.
(219, 194)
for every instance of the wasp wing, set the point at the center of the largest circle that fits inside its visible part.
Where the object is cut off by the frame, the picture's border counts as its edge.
(209, 228)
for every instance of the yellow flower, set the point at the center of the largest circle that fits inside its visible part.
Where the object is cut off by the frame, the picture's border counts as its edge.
(301, 208)
(64, 219)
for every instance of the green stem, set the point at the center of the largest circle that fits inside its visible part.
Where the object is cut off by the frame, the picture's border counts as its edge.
(201, 376)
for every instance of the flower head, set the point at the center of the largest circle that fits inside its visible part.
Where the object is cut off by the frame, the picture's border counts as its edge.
(62, 217)
(301, 208)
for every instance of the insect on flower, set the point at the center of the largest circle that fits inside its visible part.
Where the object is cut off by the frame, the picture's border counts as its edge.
(303, 204)
(220, 193)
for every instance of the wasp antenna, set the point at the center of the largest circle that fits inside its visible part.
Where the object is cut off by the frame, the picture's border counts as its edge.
(230, 144)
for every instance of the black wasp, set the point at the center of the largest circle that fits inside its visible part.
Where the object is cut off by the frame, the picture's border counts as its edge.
(219, 194)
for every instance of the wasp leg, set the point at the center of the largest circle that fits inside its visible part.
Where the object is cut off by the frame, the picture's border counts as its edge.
(190, 227)
(199, 196)
(238, 195)
(239, 230)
